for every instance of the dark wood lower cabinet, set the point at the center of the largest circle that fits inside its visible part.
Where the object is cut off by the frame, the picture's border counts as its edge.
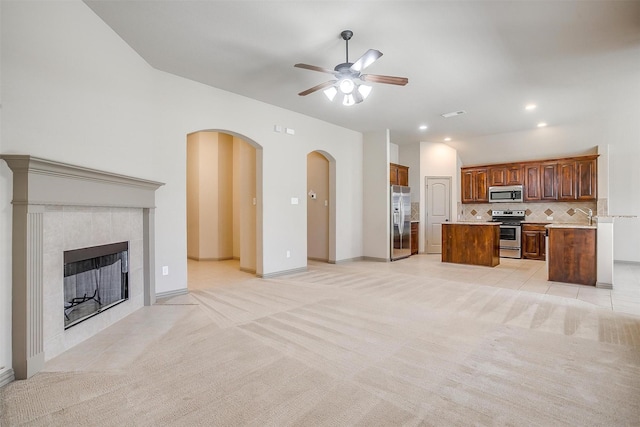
(472, 243)
(415, 226)
(533, 241)
(572, 255)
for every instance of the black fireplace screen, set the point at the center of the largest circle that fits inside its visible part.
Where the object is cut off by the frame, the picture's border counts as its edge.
(95, 279)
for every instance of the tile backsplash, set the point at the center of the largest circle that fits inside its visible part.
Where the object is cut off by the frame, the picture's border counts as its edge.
(415, 211)
(560, 212)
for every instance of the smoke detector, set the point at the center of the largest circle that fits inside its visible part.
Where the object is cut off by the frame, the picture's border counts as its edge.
(453, 114)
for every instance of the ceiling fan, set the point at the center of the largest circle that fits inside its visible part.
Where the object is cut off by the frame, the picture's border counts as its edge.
(349, 80)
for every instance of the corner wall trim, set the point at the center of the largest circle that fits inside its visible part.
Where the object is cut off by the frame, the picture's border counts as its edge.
(6, 377)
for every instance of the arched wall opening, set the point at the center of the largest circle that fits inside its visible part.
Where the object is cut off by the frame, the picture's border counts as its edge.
(224, 198)
(321, 209)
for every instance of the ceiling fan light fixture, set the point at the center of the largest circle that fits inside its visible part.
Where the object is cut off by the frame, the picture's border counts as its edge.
(364, 90)
(331, 93)
(346, 86)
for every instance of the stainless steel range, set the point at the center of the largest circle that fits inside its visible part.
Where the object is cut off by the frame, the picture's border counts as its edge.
(510, 231)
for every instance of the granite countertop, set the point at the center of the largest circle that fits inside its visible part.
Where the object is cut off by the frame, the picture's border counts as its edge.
(474, 223)
(537, 222)
(571, 225)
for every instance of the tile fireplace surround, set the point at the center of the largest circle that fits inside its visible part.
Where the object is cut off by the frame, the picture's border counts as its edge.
(59, 207)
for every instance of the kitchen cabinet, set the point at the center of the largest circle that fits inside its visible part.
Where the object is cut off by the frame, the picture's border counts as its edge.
(533, 241)
(540, 181)
(415, 226)
(506, 175)
(474, 185)
(569, 179)
(548, 181)
(572, 254)
(473, 243)
(577, 179)
(532, 184)
(566, 180)
(398, 174)
(586, 179)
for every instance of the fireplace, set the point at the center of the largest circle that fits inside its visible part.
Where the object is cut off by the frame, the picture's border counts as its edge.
(57, 208)
(95, 279)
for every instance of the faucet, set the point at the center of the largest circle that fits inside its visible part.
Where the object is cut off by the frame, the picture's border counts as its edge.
(588, 214)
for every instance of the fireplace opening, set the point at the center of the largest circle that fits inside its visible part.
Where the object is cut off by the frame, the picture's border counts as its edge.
(95, 279)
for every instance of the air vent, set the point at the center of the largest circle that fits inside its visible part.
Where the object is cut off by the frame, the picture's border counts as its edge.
(453, 114)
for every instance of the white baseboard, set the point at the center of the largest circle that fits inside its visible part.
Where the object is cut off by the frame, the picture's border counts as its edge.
(342, 261)
(170, 294)
(374, 259)
(615, 261)
(6, 376)
(283, 273)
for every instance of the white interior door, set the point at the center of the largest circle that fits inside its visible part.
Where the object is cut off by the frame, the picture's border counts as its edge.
(438, 210)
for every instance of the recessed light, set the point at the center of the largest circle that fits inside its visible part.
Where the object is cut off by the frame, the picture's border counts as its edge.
(542, 124)
(447, 139)
(530, 107)
(423, 127)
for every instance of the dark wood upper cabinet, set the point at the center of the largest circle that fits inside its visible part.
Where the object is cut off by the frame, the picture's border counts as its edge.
(474, 185)
(577, 179)
(549, 181)
(505, 175)
(586, 179)
(567, 179)
(398, 174)
(532, 183)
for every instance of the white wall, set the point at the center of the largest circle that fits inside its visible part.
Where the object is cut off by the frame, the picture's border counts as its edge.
(376, 195)
(73, 91)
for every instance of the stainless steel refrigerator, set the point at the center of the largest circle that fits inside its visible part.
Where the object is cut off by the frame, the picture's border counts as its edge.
(400, 222)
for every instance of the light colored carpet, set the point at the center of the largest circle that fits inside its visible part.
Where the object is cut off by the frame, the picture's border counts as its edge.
(352, 344)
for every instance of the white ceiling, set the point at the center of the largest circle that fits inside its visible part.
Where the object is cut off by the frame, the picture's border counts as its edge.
(489, 58)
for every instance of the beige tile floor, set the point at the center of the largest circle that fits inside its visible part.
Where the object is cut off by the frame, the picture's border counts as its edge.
(531, 276)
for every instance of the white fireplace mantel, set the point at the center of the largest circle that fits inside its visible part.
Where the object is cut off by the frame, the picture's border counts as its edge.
(38, 183)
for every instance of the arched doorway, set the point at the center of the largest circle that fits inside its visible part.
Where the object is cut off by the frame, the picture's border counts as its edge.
(321, 217)
(224, 198)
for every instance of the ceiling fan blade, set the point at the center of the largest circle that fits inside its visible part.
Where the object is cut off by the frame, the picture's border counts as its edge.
(365, 60)
(318, 87)
(391, 80)
(314, 68)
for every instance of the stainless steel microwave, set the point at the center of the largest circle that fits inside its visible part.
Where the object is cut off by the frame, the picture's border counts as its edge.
(504, 194)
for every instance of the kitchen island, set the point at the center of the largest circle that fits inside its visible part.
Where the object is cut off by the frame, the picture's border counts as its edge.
(476, 243)
(571, 253)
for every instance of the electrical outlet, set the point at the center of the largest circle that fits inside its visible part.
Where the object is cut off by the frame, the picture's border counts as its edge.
(478, 217)
(549, 218)
(288, 254)
(165, 270)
